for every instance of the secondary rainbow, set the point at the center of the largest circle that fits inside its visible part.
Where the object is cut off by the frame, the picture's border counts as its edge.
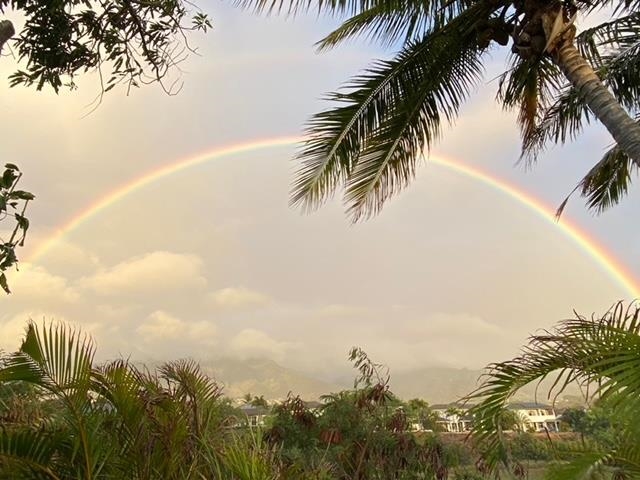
(589, 245)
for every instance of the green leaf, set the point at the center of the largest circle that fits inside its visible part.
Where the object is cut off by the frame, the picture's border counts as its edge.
(23, 222)
(8, 177)
(22, 195)
(3, 283)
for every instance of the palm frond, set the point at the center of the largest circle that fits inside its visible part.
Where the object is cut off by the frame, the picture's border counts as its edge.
(560, 122)
(29, 450)
(613, 7)
(350, 8)
(191, 383)
(612, 48)
(55, 358)
(294, 7)
(249, 458)
(607, 182)
(380, 24)
(619, 32)
(529, 86)
(621, 73)
(393, 112)
(388, 161)
(193, 389)
(120, 389)
(587, 466)
(390, 21)
(58, 360)
(603, 352)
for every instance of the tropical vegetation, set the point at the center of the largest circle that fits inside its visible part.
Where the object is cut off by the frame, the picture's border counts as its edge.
(13, 205)
(64, 416)
(387, 117)
(603, 356)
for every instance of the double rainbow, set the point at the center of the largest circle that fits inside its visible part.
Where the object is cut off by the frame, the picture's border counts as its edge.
(584, 241)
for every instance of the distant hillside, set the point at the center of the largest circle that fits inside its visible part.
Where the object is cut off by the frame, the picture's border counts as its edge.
(434, 384)
(265, 377)
(444, 384)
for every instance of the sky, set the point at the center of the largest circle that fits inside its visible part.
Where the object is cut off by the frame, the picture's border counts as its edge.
(211, 261)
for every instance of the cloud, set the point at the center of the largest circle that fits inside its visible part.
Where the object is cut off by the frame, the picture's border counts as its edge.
(161, 325)
(456, 325)
(341, 310)
(35, 285)
(238, 298)
(12, 327)
(60, 254)
(251, 343)
(154, 272)
(12, 331)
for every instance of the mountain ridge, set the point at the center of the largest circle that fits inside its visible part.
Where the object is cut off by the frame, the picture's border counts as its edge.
(435, 384)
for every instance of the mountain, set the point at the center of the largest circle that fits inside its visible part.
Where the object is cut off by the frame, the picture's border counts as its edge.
(446, 384)
(433, 384)
(265, 377)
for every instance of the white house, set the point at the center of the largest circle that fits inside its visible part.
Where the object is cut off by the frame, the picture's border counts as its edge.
(256, 416)
(453, 417)
(536, 417)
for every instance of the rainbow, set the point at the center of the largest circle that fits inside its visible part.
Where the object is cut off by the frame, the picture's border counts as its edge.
(589, 245)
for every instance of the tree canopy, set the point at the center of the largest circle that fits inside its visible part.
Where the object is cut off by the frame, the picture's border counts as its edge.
(127, 41)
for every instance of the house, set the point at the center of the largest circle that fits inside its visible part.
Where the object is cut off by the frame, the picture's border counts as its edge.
(536, 417)
(453, 417)
(314, 407)
(532, 417)
(256, 416)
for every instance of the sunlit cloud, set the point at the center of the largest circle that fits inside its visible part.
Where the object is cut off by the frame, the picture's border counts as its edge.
(37, 286)
(250, 343)
(154, 272)
(161, 325)
(238, 297)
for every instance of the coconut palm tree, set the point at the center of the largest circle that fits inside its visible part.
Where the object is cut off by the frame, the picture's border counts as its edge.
(388, 116)
(601, 354)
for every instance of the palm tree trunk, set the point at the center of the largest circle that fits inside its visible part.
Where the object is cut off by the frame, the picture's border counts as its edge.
(624, 130)
(6, 32)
